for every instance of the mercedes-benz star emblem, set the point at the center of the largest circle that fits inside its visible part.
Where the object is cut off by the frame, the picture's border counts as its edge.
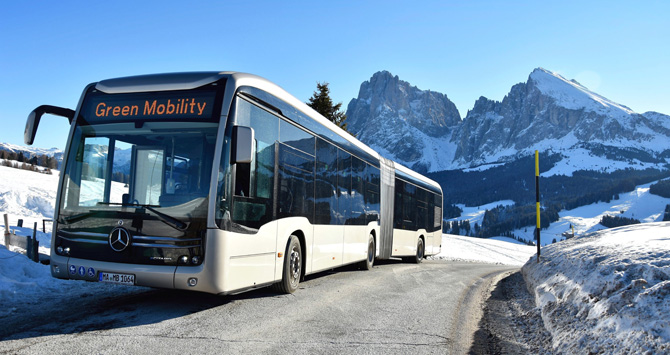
(119, 239)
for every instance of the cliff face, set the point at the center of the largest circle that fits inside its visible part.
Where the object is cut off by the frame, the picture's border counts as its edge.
(400, 120)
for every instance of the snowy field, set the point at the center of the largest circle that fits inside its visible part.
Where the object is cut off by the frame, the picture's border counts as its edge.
(607, 292)
(498, 250)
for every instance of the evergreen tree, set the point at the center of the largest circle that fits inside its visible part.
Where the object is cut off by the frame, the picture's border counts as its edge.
(323, 104)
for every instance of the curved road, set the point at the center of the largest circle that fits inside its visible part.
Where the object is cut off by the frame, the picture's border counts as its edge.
(433, 307)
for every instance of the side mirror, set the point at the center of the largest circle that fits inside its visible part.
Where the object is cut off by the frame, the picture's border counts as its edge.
(243, 144)
(35, 116)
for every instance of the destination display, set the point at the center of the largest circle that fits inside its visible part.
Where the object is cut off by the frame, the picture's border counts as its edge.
(125, 107)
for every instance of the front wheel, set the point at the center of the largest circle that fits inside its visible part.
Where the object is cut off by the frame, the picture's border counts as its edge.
(292, 266)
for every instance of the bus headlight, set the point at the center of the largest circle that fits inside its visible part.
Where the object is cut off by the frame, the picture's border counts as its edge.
(183, 259)
(195, 260)
(59, 250)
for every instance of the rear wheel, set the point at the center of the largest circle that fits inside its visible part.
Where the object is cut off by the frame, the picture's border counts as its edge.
(372, 251)
(419, 252)
(292, 266)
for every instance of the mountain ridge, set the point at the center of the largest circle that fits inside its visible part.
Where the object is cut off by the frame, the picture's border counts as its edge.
(547, 112)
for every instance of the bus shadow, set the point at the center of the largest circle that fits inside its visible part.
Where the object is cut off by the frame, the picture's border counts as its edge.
(93, 311)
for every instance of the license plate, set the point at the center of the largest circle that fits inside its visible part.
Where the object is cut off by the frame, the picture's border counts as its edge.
(123, 279)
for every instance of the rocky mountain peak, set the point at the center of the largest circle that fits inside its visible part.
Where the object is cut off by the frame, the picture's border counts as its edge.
(422, 129)
(388, 110)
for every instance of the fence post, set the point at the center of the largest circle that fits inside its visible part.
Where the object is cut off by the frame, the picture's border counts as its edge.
(20, 223)
(29, 246)
(44, 224)
(34, 245)
(6, 231)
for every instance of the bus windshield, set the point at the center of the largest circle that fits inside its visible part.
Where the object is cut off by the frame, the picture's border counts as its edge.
(159, 165)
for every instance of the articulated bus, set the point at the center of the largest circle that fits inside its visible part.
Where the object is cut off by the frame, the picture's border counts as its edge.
(222, 182)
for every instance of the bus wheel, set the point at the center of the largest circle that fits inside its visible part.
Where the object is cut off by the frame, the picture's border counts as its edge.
(292, 266)
(372, 250)
(419, 252)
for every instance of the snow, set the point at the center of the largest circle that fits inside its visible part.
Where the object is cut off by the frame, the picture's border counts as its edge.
(497, 250)
(31, 196)
(606, 292)
(27, 195)
(572, 95)
(476, 214)
(658, 118)
(578, 158)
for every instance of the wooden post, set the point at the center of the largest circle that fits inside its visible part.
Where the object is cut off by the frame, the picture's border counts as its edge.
(6, 231)
(34, 246)
(29, 246)
(537, 202)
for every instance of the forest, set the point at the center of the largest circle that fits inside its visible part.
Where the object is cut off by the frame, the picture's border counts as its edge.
(25, 162)
(516, 181)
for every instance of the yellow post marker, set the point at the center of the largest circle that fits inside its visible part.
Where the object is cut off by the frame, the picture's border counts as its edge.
(537, 202)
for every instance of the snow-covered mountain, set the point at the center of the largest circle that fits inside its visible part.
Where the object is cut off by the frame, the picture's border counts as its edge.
(546, 113)
(32, 151)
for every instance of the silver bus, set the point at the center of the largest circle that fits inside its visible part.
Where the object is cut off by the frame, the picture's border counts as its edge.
(222, 182)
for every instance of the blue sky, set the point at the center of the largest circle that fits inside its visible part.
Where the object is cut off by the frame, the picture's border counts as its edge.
(50, 50)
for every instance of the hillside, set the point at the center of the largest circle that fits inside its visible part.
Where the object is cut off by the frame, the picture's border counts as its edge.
(637, 203)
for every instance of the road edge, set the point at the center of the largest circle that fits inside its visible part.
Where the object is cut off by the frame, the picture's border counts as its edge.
(510, 322)
(468, 317)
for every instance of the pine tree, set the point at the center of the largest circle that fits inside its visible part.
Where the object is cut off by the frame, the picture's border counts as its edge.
(323, 104)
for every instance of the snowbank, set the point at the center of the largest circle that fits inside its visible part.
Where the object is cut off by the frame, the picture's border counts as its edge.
(607, 292)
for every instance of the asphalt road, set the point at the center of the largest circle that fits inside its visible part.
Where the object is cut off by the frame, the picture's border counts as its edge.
(433, 307)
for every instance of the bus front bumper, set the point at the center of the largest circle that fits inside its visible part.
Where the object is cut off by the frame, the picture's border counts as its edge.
(159, 276)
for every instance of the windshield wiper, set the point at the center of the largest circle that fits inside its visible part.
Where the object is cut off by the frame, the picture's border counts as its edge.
(78, 217)
(173, 222)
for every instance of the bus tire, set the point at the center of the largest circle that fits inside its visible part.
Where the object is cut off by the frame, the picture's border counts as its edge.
(420, 250)
(368, 263)
(292, 270)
